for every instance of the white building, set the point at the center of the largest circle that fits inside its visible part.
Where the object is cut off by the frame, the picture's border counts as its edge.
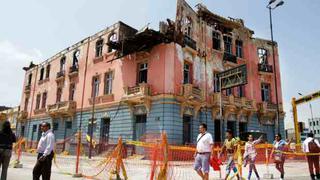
(314, 126)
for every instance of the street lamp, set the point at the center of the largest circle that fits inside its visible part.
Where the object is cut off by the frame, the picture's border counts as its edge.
(271, 7)
(310, 112)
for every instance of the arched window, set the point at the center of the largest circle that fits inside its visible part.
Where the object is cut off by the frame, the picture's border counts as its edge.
(99, 47)
(112, 38)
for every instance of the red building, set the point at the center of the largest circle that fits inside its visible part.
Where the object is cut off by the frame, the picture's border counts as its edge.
(138, 82)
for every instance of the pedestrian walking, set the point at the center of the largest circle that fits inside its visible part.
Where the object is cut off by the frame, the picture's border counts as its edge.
(250, 155)
(203, 152)
(279, 158)
(45, 153)
(230, 147)
(7, 138)
(311, 145)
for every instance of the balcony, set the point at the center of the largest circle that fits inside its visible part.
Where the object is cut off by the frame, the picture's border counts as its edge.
(265, 68)
(190, 45)
(23, 115)
(62, 109)
(139, 94)
(40, 111)
(229, 58)
(192, 93)
(60, 75)
(98, 59)
(267, 112)
(73, 71)
(27, 88)
(102, 99)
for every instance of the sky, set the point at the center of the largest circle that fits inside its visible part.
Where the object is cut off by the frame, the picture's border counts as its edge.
(35, 30)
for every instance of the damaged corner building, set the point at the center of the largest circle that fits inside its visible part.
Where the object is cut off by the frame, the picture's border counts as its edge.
(130, 83)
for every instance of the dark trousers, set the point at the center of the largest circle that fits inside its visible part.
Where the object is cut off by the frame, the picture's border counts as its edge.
(43, 167)
(5, 155)
(313, 162)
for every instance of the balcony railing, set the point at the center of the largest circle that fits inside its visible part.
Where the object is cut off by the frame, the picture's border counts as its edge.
(74, 69)
(65, 108)
(189, 91)
(27, 88)
(189, 42)
(60, 74)
(229, 58)
(239, 102)
(265, 68)
(141, 89)
(22, 115)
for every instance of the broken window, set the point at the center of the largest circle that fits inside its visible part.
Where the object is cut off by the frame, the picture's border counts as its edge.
(187, 67)
(62, 64)
(29, 79)
(112, 38)
(108, 83)
(239, 51)
(95, 86)
(265, 92)
(76, 56)
(188, 26)
(41, 73)
(38, 101)
(48, 71)
(216, 41)
(72, 91)
(143, 73)
(216, 83)
(229, 91)
(227, 44)
(99, 47)
(263, 55)
(59, 94)
(44, 100)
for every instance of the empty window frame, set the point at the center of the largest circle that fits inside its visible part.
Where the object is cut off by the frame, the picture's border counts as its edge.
(263, 56)
(41, 74)
(99, 47)
(239, 48)
(72, 91)
(143, 73)
(108, 82)
(95, 86)
(227, 44)
(112, 38)
(59, 94)
(216, 41)
(38, 100)
(48, 71)
(44, 100)
(62, 64)
(76, 57)
(265, 92)
(187, 73)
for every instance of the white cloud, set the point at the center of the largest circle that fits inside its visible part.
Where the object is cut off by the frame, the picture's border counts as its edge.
(13, 57)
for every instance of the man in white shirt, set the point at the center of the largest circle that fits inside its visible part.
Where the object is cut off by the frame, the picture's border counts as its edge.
(313, 160)
(45, 153)
(203, 152)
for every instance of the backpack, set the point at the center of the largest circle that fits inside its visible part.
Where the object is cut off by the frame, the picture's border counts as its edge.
(313, 147)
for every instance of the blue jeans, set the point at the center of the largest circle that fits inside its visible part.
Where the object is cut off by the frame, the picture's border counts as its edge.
(5, 155)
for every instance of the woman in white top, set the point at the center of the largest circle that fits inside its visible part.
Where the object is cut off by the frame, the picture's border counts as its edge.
(250, 154)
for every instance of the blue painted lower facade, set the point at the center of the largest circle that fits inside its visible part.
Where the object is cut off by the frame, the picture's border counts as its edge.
(131, 124)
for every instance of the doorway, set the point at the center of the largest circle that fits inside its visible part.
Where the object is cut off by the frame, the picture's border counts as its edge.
(186, 139)
(217, 131)
(140, 126)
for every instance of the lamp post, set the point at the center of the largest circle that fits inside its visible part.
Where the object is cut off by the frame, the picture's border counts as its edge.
(271, 7)
(311, 112)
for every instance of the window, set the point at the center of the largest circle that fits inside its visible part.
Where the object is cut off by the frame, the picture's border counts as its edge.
(48, 71)
(34, 128)
(108, 83)
(29, 79)
(315, 132)
(188, 29)
(59, 94)
(229, 91)
(69, 124)
(55, 126)
(72, 91)
(227, 44)
(317, 123)
(216, 41)
(38, 101)
(314, 123)
(265, 92)
(99, 46)
(318, 131)
(76, 56)
(44, 100)
(262, 54)
(42, 73)
(92, 128)
(241, 91)
(216, 83)
(95, 86)
(239, 52)
(143, 73)
(112, 38)
(62, 63)
(187, 73)
(26, 102)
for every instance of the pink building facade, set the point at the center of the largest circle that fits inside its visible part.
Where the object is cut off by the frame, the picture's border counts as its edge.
(133, 83)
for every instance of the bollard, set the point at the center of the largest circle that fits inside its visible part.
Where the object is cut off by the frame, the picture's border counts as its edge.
(17, 163)
(267, 175)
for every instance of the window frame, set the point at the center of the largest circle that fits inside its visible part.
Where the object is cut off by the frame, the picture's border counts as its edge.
(142, 72)
(239, 48)
(95, 91)
(227, 42)
(262, 55)
(44, 100)
(38, 101)
(216, 40)
(108, 82)
(99, 48)
(265, 98)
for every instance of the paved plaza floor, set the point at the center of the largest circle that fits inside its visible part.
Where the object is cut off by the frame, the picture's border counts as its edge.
(139, 170)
